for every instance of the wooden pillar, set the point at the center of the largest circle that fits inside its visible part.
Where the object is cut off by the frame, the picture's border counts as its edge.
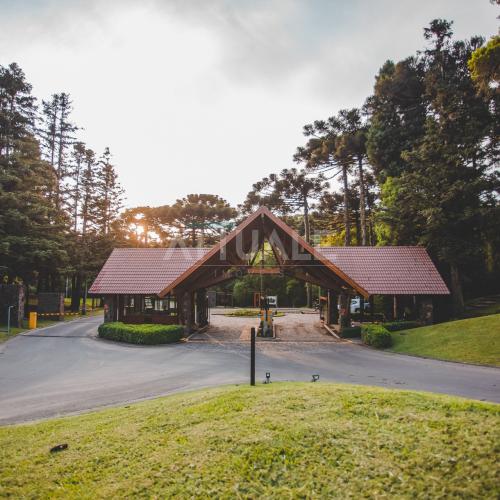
(187, 309)
(120, 305)
(109, 308)
(332, 317)
(201, 307)
(394, 307)
(426, 310)
(345, 310)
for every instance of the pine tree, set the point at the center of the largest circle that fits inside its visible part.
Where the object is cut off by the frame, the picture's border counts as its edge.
(32, 247)
(57, 134)
(76, 174)
(109, 193)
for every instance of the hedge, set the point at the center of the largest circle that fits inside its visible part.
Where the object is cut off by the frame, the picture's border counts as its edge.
(144, 334)
(350, 332)
(376, 335)
(395, 326)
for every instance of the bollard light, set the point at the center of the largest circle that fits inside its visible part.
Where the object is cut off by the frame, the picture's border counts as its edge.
(315, 378)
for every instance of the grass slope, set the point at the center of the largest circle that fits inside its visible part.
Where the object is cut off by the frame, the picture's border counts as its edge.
(274, 441)
(474, 340)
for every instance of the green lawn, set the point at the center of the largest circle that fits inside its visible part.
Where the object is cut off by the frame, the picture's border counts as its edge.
(473, 340)
(271, 441)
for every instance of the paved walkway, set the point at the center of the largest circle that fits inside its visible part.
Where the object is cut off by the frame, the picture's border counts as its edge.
(64, 369)
(294, 326)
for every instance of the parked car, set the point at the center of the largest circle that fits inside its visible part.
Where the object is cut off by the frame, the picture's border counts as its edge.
(356, 305)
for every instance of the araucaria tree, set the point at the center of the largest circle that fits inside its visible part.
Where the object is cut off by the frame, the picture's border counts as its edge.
(336, 147)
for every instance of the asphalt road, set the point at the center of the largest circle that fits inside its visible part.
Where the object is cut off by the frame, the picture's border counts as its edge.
(64, 369)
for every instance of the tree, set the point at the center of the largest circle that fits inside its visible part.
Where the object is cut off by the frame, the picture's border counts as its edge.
(109, 193)
(439, 180)
(58, 135)
(334, 147)
(484, 65)
(76, 173)
(199, 218)
(89, 191)
(32, 245)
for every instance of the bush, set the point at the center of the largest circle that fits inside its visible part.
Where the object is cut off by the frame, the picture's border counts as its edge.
(144, 334)
(368, 317)
(376, 336)
(395, 326)
(350, 332)
(252, 313)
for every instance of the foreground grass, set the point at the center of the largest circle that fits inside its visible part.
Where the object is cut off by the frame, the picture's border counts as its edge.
(278, 440)
(474, 340)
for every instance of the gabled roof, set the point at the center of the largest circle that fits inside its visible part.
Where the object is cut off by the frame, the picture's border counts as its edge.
(389, 270)
(266, 222)
(363, 270)
(143, 270)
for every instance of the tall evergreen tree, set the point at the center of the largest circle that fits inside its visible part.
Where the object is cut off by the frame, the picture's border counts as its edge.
(32, 246)
(109, 196)
(438, 180)
(57, 134)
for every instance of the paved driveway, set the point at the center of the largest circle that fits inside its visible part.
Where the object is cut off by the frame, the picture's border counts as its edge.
(64, 369)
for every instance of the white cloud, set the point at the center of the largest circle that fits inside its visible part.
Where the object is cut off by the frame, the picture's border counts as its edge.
(210, 95)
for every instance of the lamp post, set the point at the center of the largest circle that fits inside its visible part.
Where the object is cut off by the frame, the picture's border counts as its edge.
(8, 319)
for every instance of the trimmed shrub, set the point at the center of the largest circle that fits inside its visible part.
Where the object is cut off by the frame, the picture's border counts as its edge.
(395, 326)
(368, 317)
(350, 332)
(144, 334)
(376, 336)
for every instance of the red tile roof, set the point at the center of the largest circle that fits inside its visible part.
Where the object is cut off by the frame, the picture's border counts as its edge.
(389, 270)
(144, 270)
(379, 270)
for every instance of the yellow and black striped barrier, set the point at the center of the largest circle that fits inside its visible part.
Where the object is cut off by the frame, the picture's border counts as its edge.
(63, 314)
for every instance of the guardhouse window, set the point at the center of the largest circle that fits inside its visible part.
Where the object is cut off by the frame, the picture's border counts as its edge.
(148, 303)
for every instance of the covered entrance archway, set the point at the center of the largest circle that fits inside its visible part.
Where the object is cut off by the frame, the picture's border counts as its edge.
(169, 285)
(235, 256)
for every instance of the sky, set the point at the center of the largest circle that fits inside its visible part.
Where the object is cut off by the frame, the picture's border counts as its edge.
(209, 96)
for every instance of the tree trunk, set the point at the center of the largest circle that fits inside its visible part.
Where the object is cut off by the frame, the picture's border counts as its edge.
(76, 293)
(362, 212)
(347, 217)
(456, 290)
(307, 237)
